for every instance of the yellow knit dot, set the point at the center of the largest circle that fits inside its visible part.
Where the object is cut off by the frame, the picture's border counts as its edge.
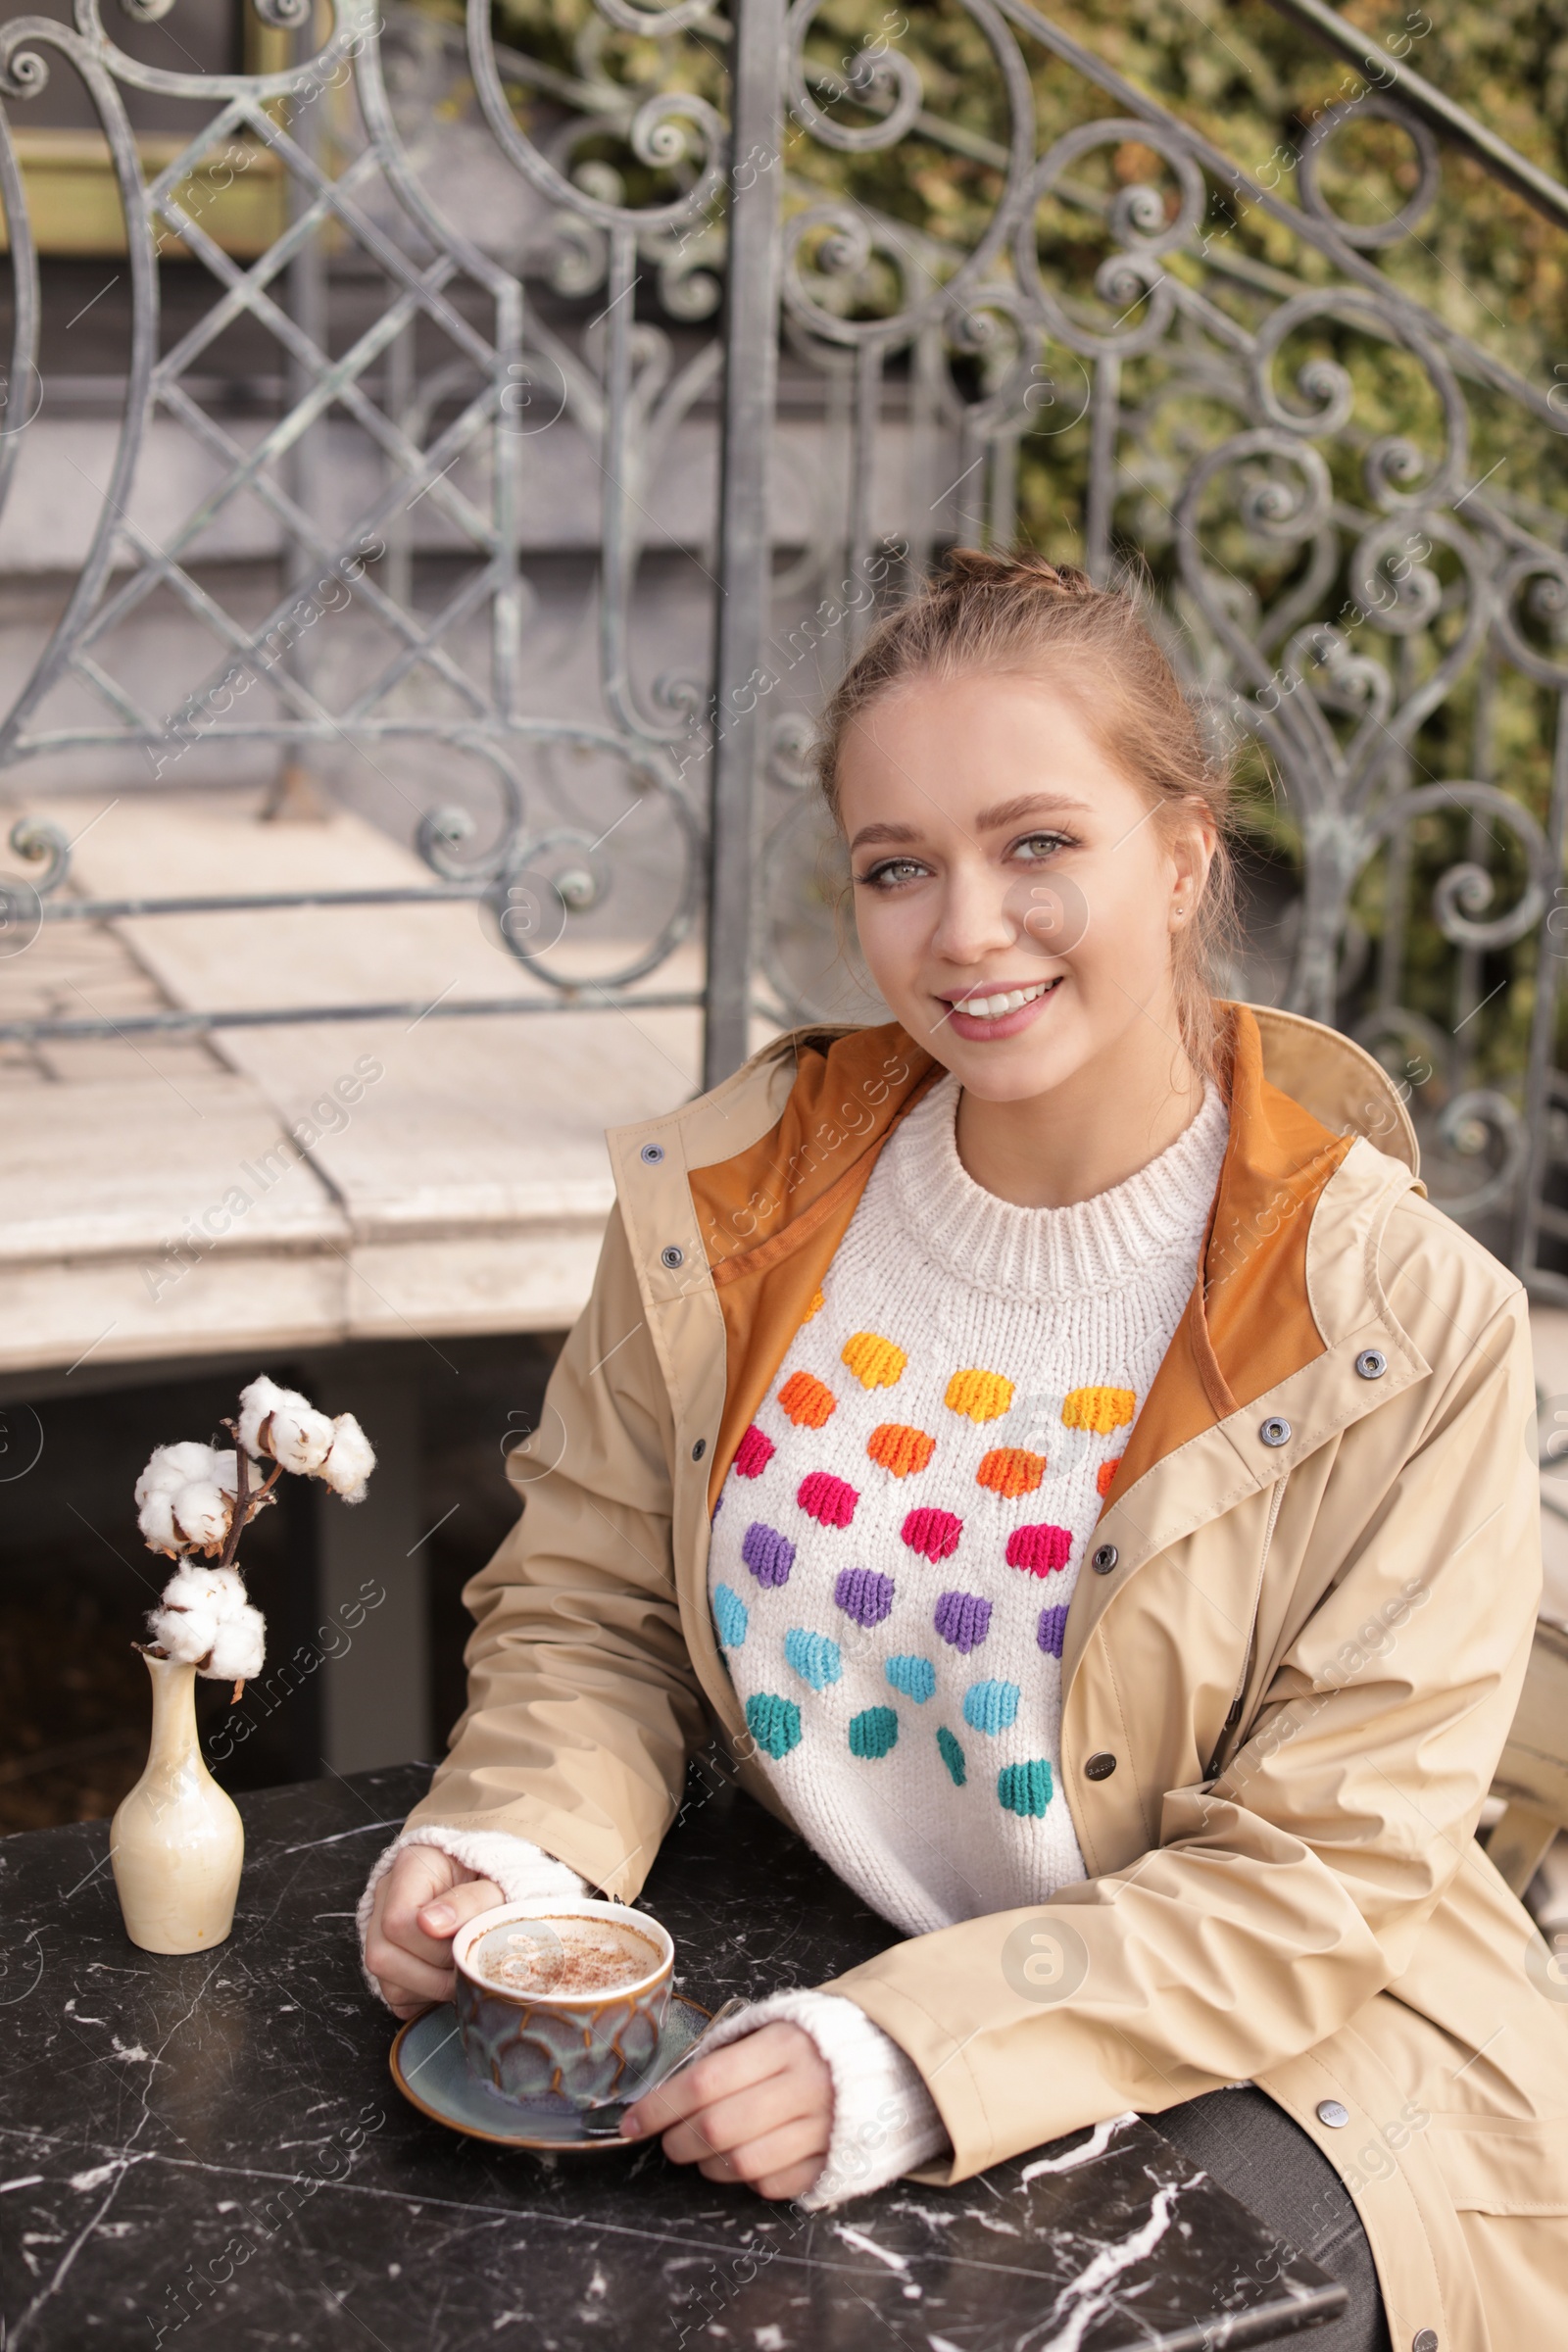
(875, 1362)
(982, 1396)
(815, 1308)
(1099, 1409)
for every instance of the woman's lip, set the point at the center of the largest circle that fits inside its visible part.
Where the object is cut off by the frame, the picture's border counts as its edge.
(979, 1031)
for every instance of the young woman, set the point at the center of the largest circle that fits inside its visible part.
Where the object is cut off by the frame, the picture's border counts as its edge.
(1053, 1442)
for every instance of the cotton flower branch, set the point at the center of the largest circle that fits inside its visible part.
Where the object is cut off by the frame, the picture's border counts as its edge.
(193, 1498)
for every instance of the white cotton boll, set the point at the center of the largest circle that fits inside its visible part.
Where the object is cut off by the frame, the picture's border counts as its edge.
(225, 1471)
(351, 1461)
(155, 1520)
(202, 1514)
(172, 1467)
(283, 1424)
(219, 1592)
(255, 1405)
(238, 1648)
(181, 1632)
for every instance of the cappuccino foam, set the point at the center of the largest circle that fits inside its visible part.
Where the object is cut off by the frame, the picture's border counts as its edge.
(563, 1956)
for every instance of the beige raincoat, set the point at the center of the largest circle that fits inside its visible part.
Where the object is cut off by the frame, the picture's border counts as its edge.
(1317, 1573)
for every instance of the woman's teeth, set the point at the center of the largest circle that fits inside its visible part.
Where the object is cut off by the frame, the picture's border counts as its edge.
(992, 1008)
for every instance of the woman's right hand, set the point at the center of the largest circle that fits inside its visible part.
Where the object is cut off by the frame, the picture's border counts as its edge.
(418, 1909)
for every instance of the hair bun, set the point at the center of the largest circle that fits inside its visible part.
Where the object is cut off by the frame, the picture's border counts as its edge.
(1024, 573)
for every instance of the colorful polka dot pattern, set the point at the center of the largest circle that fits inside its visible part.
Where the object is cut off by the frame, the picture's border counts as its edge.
(1040, 1549)
(1011, 1471)
(992, 1707)
(934, 1535)
(754, 1453)
(809, 1402)
(1100, 1410)
(900, 1449)
(875, 1362)
(979, 1395)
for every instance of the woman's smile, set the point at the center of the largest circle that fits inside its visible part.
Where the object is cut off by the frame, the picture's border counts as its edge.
(998, 1008)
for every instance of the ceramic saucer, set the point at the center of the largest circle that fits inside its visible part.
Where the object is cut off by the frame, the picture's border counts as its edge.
(429, 2069)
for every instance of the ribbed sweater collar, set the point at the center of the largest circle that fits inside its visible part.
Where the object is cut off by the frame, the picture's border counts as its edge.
(1103, 1244)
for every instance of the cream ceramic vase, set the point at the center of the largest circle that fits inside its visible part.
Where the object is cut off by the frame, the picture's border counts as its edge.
(177, 1843)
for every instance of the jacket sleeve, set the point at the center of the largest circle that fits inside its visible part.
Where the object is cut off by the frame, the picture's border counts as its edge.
(1281, 1897)
(583, 1706)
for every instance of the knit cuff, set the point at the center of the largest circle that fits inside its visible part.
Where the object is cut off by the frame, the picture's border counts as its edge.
(523, 1872)
(885, 2121)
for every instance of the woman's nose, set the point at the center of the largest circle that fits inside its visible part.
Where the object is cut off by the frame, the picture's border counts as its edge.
(975, 920)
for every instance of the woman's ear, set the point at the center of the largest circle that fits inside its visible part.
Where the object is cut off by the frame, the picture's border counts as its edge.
(1193, 841)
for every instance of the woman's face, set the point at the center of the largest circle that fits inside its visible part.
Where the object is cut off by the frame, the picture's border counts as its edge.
(1016, 898)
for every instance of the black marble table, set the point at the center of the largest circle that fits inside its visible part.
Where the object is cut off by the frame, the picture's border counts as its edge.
(210, 2151)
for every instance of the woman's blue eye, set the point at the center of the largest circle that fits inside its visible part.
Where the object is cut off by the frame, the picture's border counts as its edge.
(895, 870)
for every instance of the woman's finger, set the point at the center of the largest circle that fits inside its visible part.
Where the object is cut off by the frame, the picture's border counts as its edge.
(402, 1976)
(720, 2075)
(445, 1913)
(411, 1920)
(799, 2149)
(748, 2114)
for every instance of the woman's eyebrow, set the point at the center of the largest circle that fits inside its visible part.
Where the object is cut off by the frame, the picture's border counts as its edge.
(883, 832)
(1028, 804)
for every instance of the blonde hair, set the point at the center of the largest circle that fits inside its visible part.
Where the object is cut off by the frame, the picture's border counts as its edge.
(1019, 614)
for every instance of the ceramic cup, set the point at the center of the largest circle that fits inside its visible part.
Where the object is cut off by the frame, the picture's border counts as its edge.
(566, 2051)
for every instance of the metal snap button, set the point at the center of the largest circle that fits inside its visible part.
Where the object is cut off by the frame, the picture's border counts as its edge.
(672, 1256)
(699, 1449)
(1424, 2340)
(1101, 1767)
(1274, 1430)
(1330, 2112)
(1105, 1559)
(653, 1154)
(1371, 1363)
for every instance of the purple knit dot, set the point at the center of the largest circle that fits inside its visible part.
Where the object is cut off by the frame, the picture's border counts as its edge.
(863, 1595)
(1052, 1630)
(767, 1554)
(963, 1619)
(828, 1498)
(933, 1534)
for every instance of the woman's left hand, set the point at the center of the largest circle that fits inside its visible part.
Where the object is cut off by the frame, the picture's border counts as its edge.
(760, 2110)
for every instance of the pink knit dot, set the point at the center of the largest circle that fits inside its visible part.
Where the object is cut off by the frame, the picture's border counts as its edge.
(1040, 1548)
(754, 1453)
(935, 1534)
(828, 1498)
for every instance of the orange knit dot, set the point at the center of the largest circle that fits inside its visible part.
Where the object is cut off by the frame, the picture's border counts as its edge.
(806, 1400)
(875, 1362)
(1011, 1471)
(982, 1396)
(1099, 1409)
(1105, 1473)
(895, 1446)
(815, 1308)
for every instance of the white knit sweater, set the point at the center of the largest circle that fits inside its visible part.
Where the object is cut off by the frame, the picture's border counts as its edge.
(896, 1546)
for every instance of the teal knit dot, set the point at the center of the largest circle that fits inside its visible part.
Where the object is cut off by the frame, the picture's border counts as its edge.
(813, 1657)
(1025, 1788)
(916, 1678)
(952, 1757)
(732, 1616)
(991, 1706)
(774, 1723)
(873, 1732)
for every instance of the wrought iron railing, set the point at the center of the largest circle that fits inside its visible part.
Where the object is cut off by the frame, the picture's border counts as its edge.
(1349, 593)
